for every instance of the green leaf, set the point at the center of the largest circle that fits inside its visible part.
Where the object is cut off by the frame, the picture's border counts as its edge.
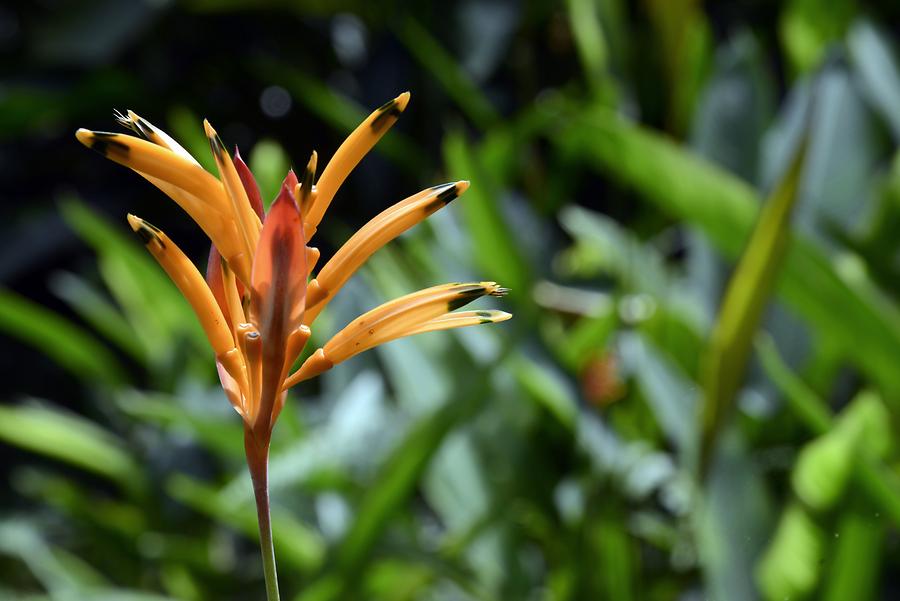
(295, 543)
(746, 297)
(157, 312)
(805, 403)
(589, 39)
(791, 566)
(62, 341)
(732, 519)
(878, 482)
(856, 558)
(70, 439)
(843, 310)
(873, 60)
(94, 308)
(64, 575)
(824, 467)
(495, 249)
(547, 388)
(670, 394)
(221, 433)
(808, 26)
(395, 483)
(438, 63)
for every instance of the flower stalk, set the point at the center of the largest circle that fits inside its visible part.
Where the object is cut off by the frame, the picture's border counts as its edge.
(258, 464)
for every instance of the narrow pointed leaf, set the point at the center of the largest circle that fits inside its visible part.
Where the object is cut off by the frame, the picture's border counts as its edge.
(746, 298)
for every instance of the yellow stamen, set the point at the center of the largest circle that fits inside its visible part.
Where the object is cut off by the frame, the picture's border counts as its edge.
(251, 346)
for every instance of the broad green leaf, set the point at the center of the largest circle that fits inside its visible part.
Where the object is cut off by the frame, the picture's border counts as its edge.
(724, 208)
(792, 564)
(746, 297)
(65, 576)
(860, 435)
(62, 341)
(614, 574)
(70, 439)
(395, 483)
(683, 41)
(879, 483)
(672, 397)
(398, 580)
(79, 502)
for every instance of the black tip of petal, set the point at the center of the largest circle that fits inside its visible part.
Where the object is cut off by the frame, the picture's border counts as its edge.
(388, 113)
(106, 144)
(147, 232)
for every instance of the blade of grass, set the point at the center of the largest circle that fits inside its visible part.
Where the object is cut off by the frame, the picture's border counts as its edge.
(746, 297)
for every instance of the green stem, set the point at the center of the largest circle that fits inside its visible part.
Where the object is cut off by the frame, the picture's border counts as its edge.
(258, 462)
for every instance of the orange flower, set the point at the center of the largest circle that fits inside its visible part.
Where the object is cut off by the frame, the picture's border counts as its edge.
(258, 303)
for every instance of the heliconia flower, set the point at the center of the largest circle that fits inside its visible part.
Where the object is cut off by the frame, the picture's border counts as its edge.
(259, 300)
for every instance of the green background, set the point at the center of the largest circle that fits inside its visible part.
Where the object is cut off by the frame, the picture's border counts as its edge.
(696, 208)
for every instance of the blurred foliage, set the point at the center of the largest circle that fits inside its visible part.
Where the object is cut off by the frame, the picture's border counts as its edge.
(697, 397)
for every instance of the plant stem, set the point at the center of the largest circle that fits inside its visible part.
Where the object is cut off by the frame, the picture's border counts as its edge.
(258, 462)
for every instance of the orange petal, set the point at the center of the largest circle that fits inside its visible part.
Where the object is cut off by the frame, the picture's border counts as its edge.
(379, 231)
(403, 316)
(348, 156)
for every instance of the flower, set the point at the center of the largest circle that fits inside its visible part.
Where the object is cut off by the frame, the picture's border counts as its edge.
(259, 300)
